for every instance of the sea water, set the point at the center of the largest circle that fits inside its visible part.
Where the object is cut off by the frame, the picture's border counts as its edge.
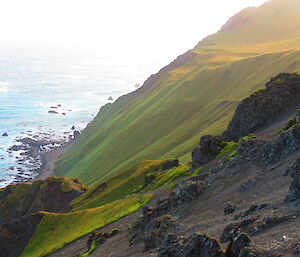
(73, 85)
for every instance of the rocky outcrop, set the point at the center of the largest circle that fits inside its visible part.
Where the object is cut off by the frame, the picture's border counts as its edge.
(267, 152)
(240, 241)
(195, 245)
(209, 147)
(262, 107)
(201, 245)
(53, 194)
(294, 192)
(155, 223)
(251, 210)
(253, 226)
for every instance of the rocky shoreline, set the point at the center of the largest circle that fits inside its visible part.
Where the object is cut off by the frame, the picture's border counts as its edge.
(36, 154)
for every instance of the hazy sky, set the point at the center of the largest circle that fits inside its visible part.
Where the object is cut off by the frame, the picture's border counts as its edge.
(143, 28)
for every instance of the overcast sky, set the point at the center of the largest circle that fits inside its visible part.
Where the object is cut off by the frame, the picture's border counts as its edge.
(143, 28)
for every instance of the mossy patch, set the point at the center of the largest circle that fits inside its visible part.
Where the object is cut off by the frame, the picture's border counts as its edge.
(289, 124)
(229, 147)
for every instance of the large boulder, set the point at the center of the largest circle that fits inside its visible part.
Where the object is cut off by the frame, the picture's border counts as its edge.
(240, 241)
(209, 147)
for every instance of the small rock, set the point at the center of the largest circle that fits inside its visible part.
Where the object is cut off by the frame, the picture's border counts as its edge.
(5, 134)
(297, 250)
(229, 208)
(246, 186)
(53, 112)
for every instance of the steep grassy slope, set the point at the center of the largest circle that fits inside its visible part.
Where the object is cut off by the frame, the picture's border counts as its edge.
(107, 202)
(194, 95)
(56, 230)
(128, 181)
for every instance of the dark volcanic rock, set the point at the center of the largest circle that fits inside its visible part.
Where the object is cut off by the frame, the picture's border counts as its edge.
(240, 241)
(209, 147)
(253, 226)
(155, 223)
(196, 245)
(251, 210)
(267, 152)
(5, 134)
(229, 208)
(76, 134)
(262, 107)
(294, 192)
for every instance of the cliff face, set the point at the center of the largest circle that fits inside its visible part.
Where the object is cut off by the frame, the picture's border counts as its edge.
(52, 194)
(193, 96)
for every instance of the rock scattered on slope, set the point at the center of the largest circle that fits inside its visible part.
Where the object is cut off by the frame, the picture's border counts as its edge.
(155, 223)
(195, 245)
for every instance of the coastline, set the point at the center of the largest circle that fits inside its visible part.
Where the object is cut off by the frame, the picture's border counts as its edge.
(48, 160)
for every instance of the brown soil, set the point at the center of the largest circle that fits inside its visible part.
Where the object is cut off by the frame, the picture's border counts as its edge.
(49, 159)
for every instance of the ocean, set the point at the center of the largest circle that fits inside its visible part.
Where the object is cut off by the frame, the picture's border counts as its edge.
(50, 94)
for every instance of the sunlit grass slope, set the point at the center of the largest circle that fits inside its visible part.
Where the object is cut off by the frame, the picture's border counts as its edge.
(107, 202)
(128, 181)
(56, 230)
(195, 97)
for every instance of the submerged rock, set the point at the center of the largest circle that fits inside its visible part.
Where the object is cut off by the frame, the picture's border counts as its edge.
(53, 112)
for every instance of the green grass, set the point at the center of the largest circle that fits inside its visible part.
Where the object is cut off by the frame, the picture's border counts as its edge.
(56, 230)
(120, 185)
(92, 248)
(290, 123)
(168, 178)
(232, 154)
(228, 149)
(197, 98)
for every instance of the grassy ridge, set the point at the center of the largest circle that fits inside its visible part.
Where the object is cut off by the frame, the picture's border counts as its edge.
(56, 230)
(196, 98)
(101, 205)
(125, 183)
